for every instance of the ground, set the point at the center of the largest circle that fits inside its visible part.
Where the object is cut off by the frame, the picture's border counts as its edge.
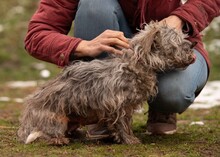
(190, 140)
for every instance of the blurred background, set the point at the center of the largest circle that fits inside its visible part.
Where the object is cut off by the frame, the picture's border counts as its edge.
(17, 64)
(20, 75)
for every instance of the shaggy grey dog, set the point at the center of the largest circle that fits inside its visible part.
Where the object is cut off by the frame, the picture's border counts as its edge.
(105, 91)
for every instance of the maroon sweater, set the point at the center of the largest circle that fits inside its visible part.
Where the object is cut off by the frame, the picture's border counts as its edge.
(46, 38)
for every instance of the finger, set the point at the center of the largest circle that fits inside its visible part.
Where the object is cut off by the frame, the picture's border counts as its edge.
(115, 42)
(115, 34)
(110, 49)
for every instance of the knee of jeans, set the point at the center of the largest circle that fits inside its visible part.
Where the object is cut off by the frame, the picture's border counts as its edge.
(98, 8)
(176, 101)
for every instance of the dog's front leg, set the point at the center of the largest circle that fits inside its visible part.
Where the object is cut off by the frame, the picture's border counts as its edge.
(122, 130)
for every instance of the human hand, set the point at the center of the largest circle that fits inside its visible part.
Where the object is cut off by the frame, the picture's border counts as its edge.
(109, 41)
(173, 22)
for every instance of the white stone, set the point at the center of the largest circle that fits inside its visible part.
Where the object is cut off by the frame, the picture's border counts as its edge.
(45, 73)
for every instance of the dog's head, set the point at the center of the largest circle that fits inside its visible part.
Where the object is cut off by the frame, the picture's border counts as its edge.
(171, 50)
(163, 48)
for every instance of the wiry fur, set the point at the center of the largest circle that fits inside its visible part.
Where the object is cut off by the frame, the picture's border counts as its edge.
(104, 91)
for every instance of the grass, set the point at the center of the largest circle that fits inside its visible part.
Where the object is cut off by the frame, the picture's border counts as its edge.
(15, 63)
(214, 54)
(190, 140)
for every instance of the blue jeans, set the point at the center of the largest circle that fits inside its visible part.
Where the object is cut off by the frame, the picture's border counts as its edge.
(177, 89)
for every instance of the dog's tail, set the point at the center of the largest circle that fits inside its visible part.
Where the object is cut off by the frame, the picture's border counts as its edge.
(33, 136)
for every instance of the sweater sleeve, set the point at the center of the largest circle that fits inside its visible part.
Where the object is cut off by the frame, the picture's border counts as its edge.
(198, 13)
(47, 37)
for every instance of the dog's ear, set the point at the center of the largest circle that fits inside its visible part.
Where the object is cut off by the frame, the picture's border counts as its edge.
(145, 37)
(149, 38)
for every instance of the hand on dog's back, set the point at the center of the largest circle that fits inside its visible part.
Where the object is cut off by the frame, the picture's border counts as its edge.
(109, 41)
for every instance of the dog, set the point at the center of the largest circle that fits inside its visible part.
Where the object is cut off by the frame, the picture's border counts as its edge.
(105, 91)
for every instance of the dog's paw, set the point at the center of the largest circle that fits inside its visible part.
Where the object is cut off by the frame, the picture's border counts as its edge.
(131, 140)
(127, 140)
(60, 141)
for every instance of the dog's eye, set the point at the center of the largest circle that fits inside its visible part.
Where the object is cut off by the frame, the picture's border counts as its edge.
(186, 47)
(155, 46)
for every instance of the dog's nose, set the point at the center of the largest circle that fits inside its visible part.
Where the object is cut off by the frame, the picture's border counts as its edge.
(194, 59)
(193, 44)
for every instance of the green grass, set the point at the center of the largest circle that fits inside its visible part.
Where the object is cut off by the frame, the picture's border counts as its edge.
(15, 62)
(214, 54)
(190, 140)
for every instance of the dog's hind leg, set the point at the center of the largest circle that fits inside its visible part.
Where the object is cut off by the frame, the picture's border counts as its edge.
(50, 128)
(57, 131)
